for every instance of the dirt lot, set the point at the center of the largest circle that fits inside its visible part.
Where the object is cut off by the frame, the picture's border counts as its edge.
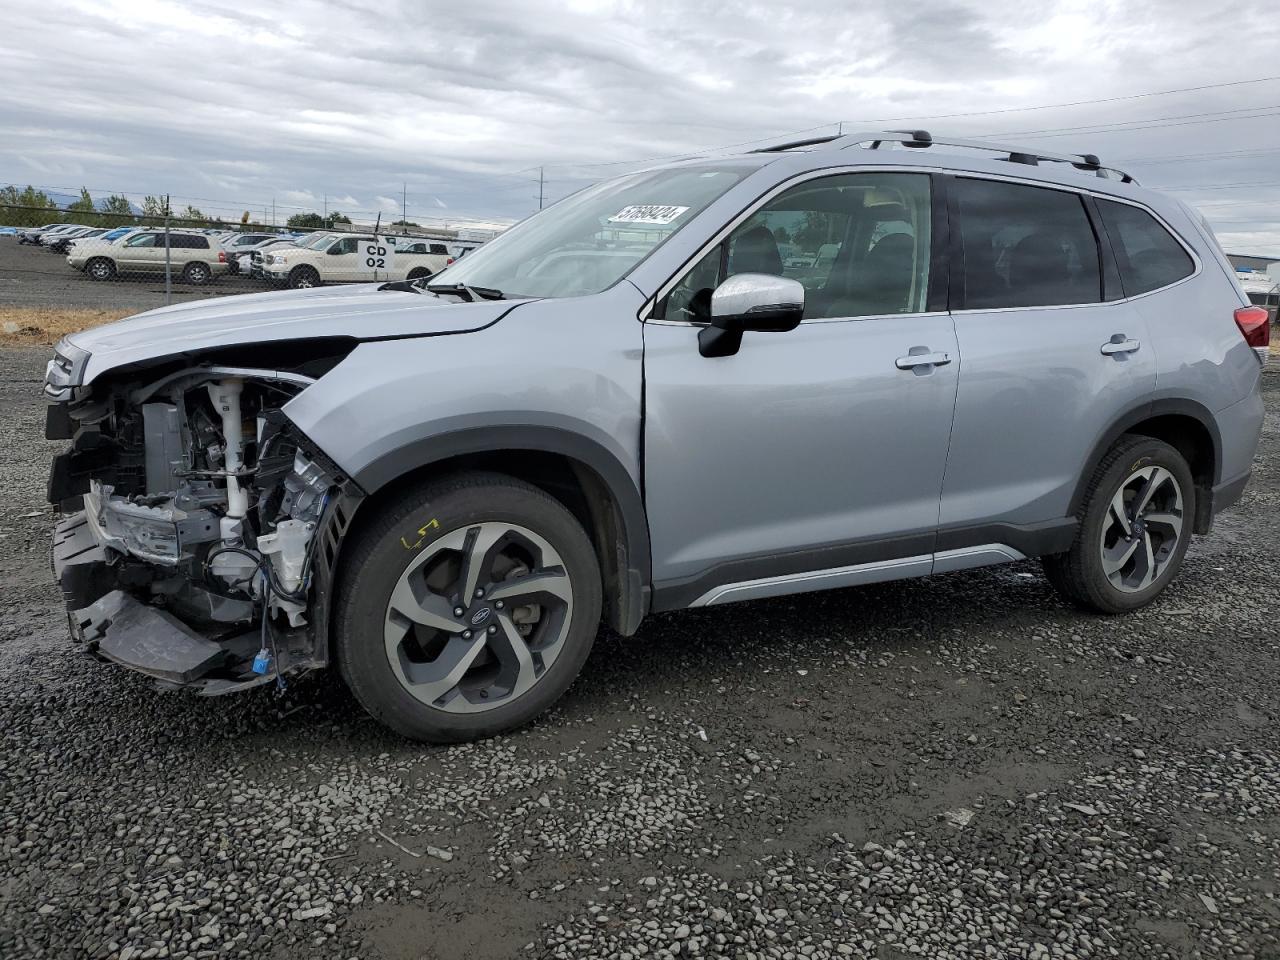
(31, 276)
(951, 767)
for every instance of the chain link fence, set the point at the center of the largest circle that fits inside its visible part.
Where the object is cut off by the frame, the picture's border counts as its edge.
(71, 267)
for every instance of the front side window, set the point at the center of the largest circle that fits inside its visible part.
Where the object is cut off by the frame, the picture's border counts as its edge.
(588, 242)
(345, 245)
(1025, 246)
(858, 243)
(439, 249)
(142, 240)
(1149, 257)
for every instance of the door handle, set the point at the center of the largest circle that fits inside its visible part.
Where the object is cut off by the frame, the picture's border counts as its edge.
(1118, 344)
(912, 360)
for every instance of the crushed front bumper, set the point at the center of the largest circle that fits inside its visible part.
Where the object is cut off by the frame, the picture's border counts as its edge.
(114, 625)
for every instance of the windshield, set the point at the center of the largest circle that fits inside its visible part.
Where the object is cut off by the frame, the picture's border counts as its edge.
(312, 241)
(589, 241)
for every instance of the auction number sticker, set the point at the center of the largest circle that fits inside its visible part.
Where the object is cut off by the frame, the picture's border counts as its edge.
(657, 213)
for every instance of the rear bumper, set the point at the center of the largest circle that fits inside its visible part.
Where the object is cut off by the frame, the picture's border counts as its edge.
(1228, 493)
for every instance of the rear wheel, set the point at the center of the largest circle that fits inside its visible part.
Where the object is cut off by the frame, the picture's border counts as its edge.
(100, 268)
(197, 274)
(303, 278)
(418, 273)
(1134, 530)
(469, 607)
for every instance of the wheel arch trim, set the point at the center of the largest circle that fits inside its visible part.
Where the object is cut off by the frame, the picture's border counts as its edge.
(612, 473)
(1161, 407)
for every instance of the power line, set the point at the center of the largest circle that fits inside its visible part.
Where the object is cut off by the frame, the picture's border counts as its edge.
(1200, 157)
(1070, 103)
(1152, 123)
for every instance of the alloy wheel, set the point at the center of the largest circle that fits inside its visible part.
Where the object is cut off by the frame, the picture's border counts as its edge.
(1142, 529)
(478, 617)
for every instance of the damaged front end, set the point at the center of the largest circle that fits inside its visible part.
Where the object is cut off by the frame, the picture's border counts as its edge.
(201, 527)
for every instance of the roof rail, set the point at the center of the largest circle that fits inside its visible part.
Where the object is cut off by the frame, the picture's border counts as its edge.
(921, 139)
(792, 144)
(1087, 162)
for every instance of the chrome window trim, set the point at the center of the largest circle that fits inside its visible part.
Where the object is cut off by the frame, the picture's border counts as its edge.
(643, 314)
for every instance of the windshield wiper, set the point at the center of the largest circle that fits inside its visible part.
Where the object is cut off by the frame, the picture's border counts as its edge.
(471, 293)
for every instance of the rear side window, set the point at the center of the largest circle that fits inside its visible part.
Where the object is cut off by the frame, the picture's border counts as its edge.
(1148, 255)
(1025, 246)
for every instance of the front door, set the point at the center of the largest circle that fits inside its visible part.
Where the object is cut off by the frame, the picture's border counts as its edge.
(811, 458)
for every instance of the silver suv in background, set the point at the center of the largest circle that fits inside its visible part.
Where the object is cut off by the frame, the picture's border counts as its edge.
(825, 363)
(191, 256)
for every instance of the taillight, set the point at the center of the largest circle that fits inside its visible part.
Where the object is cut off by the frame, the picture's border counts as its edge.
(222, 256)
(449, 261)
(1255, 327)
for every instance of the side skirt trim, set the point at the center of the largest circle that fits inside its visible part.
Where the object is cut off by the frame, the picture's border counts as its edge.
(857, 574)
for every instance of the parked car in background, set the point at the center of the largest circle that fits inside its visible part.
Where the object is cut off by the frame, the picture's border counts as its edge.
(37, 235)
(240, 247)
(192, 257)
(257, 258)
(64, 243)
(32, 235)
(348, 258)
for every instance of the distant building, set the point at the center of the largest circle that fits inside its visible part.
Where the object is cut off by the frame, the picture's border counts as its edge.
(1243, 261)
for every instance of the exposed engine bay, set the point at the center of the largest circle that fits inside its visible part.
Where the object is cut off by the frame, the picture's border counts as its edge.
(192, 555)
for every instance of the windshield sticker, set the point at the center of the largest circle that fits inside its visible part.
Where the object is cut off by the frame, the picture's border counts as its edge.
(647, 213)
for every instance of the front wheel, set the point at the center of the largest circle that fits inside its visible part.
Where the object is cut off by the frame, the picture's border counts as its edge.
(303, 278)
(468, 608)
(1134, 529)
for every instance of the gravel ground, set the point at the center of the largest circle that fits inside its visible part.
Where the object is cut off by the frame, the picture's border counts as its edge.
(952, 767)
(33, 277)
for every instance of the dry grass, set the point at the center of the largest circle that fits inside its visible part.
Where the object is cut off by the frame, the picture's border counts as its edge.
(32, 326)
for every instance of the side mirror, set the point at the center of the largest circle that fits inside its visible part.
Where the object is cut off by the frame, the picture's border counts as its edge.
(750, 301)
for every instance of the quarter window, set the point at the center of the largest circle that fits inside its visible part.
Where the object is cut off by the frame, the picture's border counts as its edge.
(1149, 257)
(858, 243)
(1025, 246)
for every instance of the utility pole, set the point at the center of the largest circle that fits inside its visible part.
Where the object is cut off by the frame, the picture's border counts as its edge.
(404, 207)
(540, 183)
(168, 283)
(326, 209)
(273, 211)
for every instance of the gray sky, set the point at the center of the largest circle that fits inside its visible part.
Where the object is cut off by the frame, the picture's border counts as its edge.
(228, 105)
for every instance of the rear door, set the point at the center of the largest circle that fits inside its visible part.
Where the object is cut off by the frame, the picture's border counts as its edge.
(1051, 357)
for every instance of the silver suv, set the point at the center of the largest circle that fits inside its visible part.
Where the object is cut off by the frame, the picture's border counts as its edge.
(817, 365)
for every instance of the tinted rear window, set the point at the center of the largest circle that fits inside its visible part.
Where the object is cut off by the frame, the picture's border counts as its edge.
(1148, 255)
(1025, 246)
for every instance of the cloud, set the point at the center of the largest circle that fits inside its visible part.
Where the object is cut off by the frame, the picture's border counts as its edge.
(360, 100)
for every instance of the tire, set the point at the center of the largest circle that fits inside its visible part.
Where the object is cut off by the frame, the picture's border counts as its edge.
(1138, 567)
(100, 268)
(409, 559)
(197, 274)
(303, 278)
(418, 273)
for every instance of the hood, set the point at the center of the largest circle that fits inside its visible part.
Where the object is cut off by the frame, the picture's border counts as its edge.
(361, 312)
